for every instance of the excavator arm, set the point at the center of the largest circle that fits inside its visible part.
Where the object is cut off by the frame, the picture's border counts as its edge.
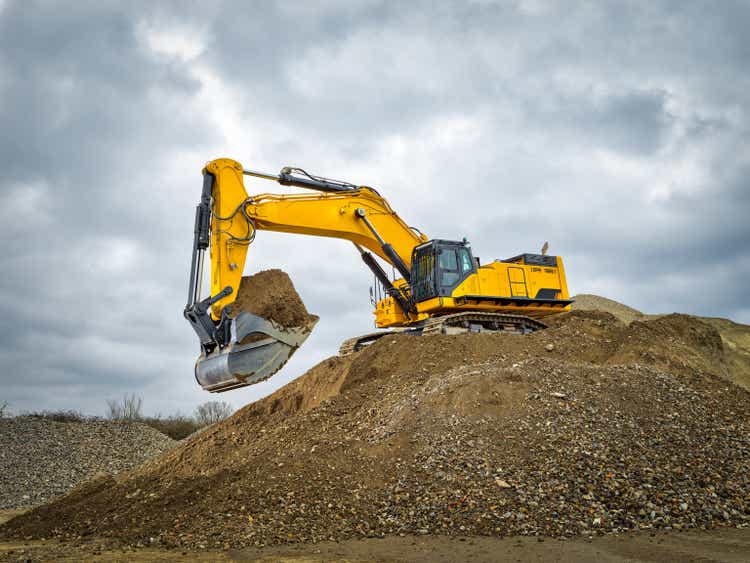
(344, 211)
(227, 220)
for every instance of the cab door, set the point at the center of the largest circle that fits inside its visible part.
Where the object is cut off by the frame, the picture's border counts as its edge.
(423, 276)
(517, 279)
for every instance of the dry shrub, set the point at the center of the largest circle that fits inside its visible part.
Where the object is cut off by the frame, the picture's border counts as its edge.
(62, 416)
(212, 411)
(127, 408)
(175, 426)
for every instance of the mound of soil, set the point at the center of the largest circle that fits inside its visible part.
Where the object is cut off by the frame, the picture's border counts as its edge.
(735, 337)
(736, 340)
(588, 302)
(270, 294)
(590, 426)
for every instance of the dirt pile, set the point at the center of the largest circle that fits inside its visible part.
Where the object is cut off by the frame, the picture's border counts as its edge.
(735, 337)
(41, 459)
(270, 294)
(588, 302)
(736, 340)
(590, 426)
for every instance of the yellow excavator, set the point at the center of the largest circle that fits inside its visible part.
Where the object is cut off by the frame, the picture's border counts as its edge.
(439, 288)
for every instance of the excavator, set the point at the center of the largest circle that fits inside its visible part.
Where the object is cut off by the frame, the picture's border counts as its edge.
(437, 287)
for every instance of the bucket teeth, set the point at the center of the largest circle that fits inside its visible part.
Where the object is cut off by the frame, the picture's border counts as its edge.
(258, 349)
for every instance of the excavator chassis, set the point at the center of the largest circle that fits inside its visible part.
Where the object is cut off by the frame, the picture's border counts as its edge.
(456, 323)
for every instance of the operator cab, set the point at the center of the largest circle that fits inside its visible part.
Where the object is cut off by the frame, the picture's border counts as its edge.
(438, 266)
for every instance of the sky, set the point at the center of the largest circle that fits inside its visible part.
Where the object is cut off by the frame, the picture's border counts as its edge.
(617, 131)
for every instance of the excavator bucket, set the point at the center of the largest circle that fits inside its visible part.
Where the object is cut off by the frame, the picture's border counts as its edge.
(258, 349)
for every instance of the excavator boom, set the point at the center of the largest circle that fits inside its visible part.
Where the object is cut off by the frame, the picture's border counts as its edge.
(227, 220)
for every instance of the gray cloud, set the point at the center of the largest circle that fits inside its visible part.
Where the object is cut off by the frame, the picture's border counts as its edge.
(616, 131)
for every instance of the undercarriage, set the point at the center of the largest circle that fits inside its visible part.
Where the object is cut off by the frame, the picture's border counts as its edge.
(456, 323)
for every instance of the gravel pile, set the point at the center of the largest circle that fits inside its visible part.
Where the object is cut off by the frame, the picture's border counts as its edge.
(41, 459)
(591, 426)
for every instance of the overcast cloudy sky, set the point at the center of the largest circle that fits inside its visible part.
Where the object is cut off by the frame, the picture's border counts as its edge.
(618, 131)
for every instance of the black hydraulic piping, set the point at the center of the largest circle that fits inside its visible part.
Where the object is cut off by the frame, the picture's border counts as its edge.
(285, 178)
(200, 239)
(406, 305)
(196, 310)
(387, 248)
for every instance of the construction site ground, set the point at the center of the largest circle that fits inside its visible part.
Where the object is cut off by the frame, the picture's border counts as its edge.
(610, 436)
(730, 545)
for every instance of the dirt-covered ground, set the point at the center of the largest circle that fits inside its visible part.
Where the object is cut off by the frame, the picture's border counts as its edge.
(593, 428)
(724, 545)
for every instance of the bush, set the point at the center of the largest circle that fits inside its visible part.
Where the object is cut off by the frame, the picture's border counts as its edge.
(176, 426)
(62, 416)
(128, 408)
(212, 411)
(3, 409)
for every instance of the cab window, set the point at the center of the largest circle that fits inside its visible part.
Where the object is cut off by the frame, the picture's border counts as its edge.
(448, 260)
(449, 273)
(466, 265)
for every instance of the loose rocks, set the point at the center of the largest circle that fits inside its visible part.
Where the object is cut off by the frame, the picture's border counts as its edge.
(616, 428)
(41, 459)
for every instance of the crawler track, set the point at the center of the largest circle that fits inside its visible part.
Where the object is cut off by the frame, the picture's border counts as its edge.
(455, 323)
